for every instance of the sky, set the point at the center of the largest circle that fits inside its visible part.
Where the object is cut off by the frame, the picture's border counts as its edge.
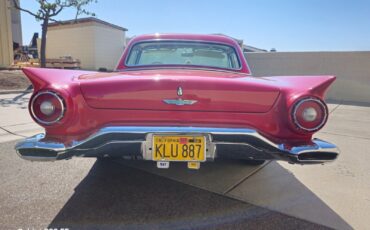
(286, 25)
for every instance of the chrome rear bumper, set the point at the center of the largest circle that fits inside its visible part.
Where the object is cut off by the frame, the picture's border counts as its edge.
(135, 143)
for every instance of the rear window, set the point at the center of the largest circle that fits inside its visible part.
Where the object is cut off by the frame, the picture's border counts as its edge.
(179, 53)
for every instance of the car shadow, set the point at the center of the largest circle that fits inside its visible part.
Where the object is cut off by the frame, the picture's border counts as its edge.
(115, 196)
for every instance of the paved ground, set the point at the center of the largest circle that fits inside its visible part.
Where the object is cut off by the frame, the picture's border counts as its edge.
(85, 194)
(80, 192)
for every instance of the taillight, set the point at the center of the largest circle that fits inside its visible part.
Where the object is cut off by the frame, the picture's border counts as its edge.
(47, 107)
(309, 114)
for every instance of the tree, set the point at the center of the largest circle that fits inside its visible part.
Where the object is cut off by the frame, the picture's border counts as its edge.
(47, 11)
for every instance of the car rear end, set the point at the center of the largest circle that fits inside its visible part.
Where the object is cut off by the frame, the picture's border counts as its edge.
(170, 113)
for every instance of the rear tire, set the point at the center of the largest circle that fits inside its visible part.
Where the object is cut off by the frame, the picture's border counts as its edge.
(253, 162)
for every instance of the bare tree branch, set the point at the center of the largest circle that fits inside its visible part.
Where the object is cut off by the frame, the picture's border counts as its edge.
(15, 3)
(57, 12)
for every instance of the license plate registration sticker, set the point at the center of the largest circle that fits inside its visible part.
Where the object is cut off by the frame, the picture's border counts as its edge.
(179, 148)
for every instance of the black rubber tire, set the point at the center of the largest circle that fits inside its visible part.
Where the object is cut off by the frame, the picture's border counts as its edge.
(253, 162)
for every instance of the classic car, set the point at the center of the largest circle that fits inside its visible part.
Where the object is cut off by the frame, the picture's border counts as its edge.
(178, 98)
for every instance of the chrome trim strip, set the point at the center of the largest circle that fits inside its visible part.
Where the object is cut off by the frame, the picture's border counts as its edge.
(182, 68)
(278, 150)
(179, 102)
(60, 99)
(33, 142)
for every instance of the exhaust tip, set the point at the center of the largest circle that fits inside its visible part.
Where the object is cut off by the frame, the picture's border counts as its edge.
(37, 154)
(317, 156)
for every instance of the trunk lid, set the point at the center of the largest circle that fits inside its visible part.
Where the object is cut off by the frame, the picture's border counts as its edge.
(208, 91)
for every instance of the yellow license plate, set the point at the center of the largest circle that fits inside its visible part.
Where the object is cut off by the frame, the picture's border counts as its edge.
(179, 148)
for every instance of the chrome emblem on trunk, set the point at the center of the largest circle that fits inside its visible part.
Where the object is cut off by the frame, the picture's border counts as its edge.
(179, 101)
(179, 91)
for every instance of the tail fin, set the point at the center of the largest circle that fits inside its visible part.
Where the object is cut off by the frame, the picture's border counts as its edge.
(316, 85)
(42, 78)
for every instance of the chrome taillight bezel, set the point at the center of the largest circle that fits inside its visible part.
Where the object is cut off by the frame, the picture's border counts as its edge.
(59, 99)
(296, 107)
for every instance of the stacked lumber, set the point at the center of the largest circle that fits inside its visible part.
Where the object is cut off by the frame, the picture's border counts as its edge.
(66, 62)
(25, 63)
(60, 63)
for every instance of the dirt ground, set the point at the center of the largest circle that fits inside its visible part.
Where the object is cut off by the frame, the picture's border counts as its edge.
(13, 79)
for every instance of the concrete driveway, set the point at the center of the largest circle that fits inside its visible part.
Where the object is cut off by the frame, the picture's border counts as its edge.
(84, 193)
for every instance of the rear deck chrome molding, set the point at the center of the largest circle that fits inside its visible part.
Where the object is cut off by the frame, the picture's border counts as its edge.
(135, 141)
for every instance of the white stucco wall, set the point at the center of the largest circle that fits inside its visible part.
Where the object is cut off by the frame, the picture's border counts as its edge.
(109, 45)
(78, 42)
(94, 44)
(352, 70)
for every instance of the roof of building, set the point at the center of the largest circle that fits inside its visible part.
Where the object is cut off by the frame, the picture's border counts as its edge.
(86, 20)
(246, 48)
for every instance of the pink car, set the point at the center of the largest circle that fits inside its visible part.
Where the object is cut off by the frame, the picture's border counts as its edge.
(175, 97)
